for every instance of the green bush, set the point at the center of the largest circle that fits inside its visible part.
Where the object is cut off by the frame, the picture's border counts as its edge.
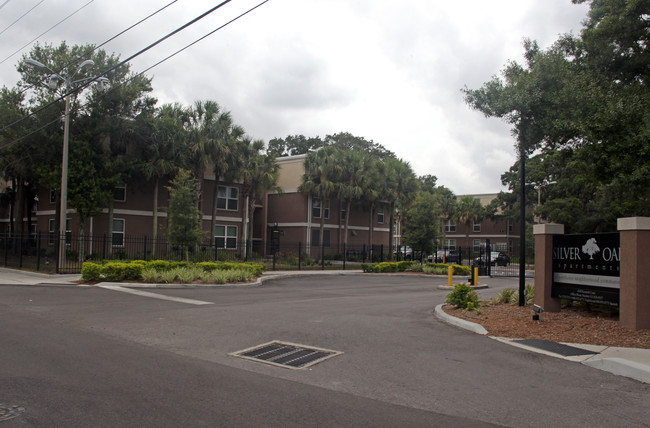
(463, 297)
(435, 269)
(508, 295)
(115, 271)
(415, 267)
(91, 271)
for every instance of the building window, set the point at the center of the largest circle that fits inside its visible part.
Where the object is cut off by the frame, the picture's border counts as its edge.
(316, 208)
(315, 238)
(344, 210)
(477, 227)
(52, 196)
(477, 245)
(51, 237)
(119, 193)
(227, 198)
(509, 226)
(450, 226)
(450, 244)
(380, 215)
(118, 232)
(225, 237)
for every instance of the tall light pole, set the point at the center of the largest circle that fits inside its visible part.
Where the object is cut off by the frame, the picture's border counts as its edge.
(53, 82)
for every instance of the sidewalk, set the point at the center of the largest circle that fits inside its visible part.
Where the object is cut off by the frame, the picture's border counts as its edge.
(629, 362)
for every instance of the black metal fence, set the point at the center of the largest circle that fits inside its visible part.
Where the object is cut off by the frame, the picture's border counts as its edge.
(40, 251)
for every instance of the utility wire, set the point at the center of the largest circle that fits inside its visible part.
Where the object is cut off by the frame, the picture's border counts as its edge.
(107, 41)
(140, 73)
(21, 17)
(140, 52)
(46, 31)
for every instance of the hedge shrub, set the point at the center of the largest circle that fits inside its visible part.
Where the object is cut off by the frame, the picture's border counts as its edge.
(91, 271)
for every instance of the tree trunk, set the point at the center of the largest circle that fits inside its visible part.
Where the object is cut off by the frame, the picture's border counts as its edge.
(20, 205)
(154, 241)
(347, 220)
(110, 227)
(213, 220)
(82, 228)
(391, 231)
(370, 227)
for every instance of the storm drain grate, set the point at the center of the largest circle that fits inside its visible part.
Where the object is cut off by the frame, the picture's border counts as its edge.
(288, 355)
(556, 348)
(9, 412)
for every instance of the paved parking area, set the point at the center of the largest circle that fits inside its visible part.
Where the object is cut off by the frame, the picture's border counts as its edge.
(393, 349)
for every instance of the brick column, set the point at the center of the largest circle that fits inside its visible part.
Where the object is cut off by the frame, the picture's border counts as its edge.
(635, 272)
(544, 265)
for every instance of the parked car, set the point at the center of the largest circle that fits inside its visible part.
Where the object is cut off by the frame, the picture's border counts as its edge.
(497, 258)
(450, 256)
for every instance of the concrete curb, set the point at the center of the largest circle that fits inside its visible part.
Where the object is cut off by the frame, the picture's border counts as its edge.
(467, 325)
(618, 366)
(621, 367)
(474, 287)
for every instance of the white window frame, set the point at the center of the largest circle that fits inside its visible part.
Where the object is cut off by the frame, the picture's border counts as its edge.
(228, 198)
(380, 216)
(52, 196)
(476, 244)
(450, 226)
(51, 228)
(119, 232)
(317, 208)
(226, 236)
(476, 227)
(123, 188)
(450, 244)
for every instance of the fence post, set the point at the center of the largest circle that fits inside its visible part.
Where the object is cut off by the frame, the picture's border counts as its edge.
(299, 255)
(6, 247)
(322, 255)
(488, 248)
(58, 252)
(144, 244)
(104, 247)
(38, 251)
(20, 250)
(345, 255)
(381, 248)
(274, 254)
(460, 256)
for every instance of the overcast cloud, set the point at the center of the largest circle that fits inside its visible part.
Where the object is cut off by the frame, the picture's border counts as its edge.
(387, 71)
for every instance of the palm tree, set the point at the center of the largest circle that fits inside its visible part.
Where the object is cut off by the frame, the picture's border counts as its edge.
(160, 154)
(373, 184)
(319, 179)
(401, 190)
(225, 158)
(469, 209)
(203, 126)
(353, 167)
(259, 174)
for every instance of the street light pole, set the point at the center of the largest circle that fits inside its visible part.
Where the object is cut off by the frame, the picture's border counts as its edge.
(68, 83)
(64, 184)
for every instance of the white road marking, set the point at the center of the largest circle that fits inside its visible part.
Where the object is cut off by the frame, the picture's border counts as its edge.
(154, 295)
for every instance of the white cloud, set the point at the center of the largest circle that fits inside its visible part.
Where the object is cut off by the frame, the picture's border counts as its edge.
(387, 71)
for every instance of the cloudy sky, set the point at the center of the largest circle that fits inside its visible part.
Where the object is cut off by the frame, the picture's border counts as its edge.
(388, 71)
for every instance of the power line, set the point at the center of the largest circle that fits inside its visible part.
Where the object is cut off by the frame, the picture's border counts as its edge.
(107, 41)
(46, 31)
(21, 17)
(138, 74)
(140, 52)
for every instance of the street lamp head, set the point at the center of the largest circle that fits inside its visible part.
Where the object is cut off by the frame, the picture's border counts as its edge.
(86, 63)
(35, 63)
(101, 83)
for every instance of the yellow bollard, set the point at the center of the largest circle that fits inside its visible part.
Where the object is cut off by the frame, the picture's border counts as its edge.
(475, 276)
(450, 276)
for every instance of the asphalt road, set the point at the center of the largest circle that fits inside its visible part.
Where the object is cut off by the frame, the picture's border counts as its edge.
(72, 356)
